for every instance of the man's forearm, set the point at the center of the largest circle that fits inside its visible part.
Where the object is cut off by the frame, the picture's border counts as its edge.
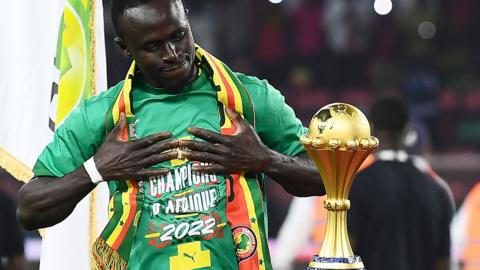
(46, 201)
(297, 175)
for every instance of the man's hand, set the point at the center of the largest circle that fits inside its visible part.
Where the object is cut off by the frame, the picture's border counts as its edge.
(45, 201)
(240, 152)
(118, 159)
(245, 152)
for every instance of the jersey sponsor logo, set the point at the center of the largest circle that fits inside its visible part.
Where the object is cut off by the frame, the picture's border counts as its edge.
(190, 256)
(245, 242)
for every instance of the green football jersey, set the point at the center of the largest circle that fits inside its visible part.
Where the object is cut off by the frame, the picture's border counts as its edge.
(183, 223)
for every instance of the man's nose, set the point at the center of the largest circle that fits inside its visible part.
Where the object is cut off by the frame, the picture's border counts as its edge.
(169, 54)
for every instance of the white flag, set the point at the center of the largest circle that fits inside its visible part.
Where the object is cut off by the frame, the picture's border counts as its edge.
(53, 55)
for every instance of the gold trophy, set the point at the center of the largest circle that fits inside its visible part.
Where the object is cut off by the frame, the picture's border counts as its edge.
(338, 142)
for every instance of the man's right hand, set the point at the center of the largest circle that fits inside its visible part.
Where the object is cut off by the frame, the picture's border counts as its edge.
(120, 160)
(45, 201)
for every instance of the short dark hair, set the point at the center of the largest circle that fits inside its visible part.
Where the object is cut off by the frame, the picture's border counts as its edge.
(389, 114)
(118, 7)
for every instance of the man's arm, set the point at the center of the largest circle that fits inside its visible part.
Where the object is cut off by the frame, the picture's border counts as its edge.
(245, 152)
(298, 175)
(45, 201)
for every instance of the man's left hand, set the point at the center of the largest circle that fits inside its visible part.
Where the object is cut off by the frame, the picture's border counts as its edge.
(241, 152)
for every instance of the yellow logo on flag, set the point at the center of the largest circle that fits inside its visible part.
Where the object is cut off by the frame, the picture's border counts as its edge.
(72, 61)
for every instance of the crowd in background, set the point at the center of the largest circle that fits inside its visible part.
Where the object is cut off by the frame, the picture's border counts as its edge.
(321, 51)
(317, 52)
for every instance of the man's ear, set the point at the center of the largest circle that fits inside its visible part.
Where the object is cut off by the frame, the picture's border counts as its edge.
(123, 47)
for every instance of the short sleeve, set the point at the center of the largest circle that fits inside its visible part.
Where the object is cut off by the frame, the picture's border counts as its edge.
(72, 144)
(276, 123)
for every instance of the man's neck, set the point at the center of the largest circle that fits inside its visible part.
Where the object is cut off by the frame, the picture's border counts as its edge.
(389, 142)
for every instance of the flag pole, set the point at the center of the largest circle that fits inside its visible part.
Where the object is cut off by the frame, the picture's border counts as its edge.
(93, 230)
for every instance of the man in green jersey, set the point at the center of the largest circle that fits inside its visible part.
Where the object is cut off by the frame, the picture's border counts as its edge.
(183, 143)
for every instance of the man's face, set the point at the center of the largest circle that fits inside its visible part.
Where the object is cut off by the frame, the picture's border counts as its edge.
(158, 36)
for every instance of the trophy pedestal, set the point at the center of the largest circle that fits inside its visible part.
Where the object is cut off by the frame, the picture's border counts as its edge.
(322, 263)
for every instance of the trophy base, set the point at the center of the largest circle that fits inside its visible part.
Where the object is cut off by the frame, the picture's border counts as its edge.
(322, 263)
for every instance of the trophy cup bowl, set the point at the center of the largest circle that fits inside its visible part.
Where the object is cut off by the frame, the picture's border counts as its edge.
(338, 141)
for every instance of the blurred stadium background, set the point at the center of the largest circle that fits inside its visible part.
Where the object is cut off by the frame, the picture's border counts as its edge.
(321, 51)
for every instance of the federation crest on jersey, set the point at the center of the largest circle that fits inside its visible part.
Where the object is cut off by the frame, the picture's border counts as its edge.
(245, 242)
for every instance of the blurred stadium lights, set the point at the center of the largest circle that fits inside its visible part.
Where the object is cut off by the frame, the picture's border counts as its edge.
(382, 7)
(426, 30)
(275, 1)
